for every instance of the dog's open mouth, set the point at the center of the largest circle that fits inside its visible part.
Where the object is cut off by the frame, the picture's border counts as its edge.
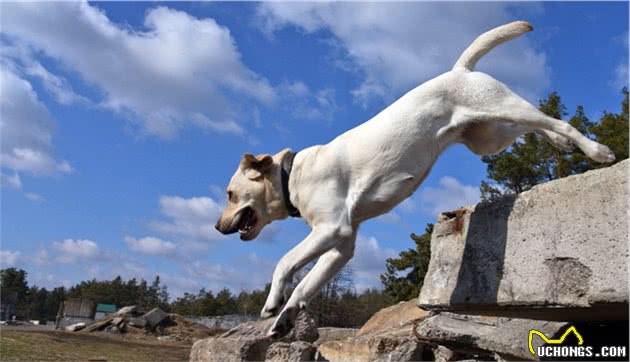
(247, 224)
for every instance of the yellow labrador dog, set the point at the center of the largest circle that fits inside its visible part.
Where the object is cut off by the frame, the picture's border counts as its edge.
(368, 170)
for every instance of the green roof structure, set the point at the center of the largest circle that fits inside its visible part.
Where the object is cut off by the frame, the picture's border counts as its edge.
(106, 308)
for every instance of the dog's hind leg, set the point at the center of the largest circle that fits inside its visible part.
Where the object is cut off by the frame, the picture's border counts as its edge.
(556, 140)
(328, 265)
(490, 138)
(514, 110)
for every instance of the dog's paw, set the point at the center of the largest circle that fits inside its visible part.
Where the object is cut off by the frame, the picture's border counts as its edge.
(602, 154)
(283, 323)
(272, 308)
(268, 312)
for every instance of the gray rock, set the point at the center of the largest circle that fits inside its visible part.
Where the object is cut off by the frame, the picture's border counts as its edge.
(402, 351)
(487, 336)
(117, 321)
(443, 354)
(562, 244)
(249, 342)
(154, 316)
(291, 352)
(128, 310)
(137, 322)
(250, 329)
(230, 349)
(334, 334)
(75, 327)
(278, 352)
(99, 325)
(305, 328)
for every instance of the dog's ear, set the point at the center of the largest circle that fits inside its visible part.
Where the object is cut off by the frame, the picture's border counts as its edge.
(256, 166)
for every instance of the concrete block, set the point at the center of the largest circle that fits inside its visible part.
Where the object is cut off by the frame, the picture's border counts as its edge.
(154, 316)
(75, 327)
(549, 253)
(128, 310)
(486, 336)
(138, 322)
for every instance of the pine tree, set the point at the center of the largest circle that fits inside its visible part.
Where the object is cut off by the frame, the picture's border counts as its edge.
(612, 130)
(405, 287)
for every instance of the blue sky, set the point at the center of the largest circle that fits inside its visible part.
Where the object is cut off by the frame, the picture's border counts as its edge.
(122, 122)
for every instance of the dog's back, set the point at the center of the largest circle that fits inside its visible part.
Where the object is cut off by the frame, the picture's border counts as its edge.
(382, 161)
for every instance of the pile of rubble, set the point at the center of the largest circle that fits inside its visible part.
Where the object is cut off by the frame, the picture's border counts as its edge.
(155, 322)
(249, 342)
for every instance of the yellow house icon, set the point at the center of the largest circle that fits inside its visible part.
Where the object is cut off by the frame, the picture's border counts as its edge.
(560, 340)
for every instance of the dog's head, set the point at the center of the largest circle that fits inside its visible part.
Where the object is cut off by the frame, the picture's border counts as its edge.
(254, 197)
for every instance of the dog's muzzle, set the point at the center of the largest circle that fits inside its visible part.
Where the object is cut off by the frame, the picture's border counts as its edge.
(224, 231)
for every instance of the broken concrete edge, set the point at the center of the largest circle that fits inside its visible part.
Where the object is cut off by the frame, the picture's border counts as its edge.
(598, 213)
(507, 337)
(549, 312)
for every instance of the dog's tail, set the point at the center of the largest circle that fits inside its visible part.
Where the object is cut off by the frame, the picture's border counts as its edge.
(488, 40)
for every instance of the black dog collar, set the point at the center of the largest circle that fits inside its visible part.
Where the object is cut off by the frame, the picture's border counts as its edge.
(285, 173)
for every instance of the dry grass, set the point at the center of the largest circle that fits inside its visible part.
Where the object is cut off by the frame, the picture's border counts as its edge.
(67, 346)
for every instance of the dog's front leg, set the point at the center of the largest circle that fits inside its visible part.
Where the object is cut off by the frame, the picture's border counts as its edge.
(328, 265)
(320, 240)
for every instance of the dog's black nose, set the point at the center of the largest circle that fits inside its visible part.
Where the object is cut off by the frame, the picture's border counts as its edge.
(216, 226)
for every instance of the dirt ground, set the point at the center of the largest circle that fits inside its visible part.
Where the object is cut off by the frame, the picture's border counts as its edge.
(47, 345)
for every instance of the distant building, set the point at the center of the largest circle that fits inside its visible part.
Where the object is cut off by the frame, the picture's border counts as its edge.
(74, 311)
(103, 310)
(8, 301)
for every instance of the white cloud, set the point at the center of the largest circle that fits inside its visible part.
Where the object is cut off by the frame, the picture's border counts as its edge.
(41, 258)
(9, 258)
(408, 205)
(178, 285)
(192, 220)
(56, 85)
(26, 128)
(34, 197)
(253, 272)
(448, 196)
(620, 78)
(413, 43)
(303, 103)
(13, 181)
(369, 262)
(151, 246)
(179, 70)
(71, 250)
(391, 217)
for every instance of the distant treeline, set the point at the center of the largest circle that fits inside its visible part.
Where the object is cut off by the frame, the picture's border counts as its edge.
(337, 304)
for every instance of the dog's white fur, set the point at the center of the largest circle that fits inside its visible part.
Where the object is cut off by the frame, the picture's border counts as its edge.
(368, 170)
